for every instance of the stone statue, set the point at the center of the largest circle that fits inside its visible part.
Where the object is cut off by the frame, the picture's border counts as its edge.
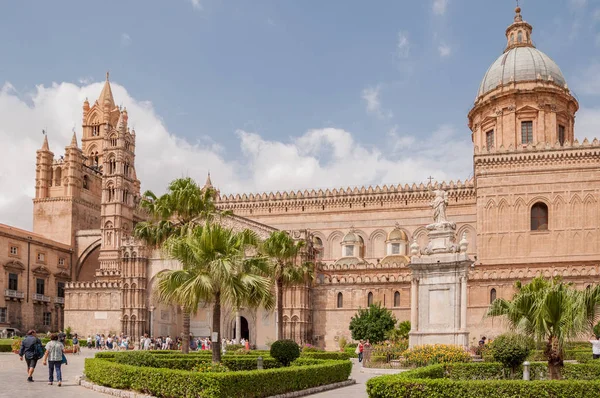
(439, 204)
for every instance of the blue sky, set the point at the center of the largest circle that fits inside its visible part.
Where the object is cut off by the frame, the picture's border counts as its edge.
(231, 78)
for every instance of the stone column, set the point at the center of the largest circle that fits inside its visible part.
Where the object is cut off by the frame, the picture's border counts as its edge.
(414, 315)
(463, 303)
(151, 320)
(238, 327)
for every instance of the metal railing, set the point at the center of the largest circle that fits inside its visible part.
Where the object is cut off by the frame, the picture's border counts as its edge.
(41, 297)
(13, 294)
(59, 300)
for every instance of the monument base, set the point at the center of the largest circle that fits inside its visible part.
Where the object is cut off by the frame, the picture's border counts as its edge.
(438, 337)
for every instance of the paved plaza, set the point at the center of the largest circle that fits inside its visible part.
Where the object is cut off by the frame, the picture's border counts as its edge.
(13, 381)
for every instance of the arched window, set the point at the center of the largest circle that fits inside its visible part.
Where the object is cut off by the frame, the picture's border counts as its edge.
(340, 300)
(113, 140)
(512, 38)
(539, 217)
(370, 299)
(318, 246)
(86, 183)
(397, 299)
(361, 253)
(492, 295)
(520, 37)
(57, 176)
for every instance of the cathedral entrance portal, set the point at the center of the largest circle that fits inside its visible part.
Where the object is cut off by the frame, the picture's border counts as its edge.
(245, 329)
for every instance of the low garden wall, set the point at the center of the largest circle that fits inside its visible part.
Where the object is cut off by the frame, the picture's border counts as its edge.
(476, 380)
(176, 375)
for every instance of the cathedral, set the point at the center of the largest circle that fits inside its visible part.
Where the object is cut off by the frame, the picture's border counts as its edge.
(531, 208)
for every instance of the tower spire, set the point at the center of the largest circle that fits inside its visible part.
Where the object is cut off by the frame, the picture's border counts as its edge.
(208, 183)
(106, 96)
(45, 146)
(518, 34)
(74, 139)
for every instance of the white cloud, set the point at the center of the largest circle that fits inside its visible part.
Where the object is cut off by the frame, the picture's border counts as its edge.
(439, 7)
(196, 4)
(371, 95)
(328, 157)
(444, 50)
(125, 40)
(403, 46)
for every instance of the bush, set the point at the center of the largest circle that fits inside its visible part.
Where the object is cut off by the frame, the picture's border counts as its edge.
(326, 355)
(136, 358)
(342, 343)
(234, 347)
(210, 367)
(433, 354)
(511, 349)
(251, 384)
(311, 348)
(372, 324)
(5, 347)
(466, 380)
(285, 351)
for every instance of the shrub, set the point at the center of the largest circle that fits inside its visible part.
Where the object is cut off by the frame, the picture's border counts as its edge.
(372, 324)
(342, 343)
(511, 349)
(467, 379)
(210, 367)
(433, 354)
(251, 384)
(285, 351)
(5, 347)
(136, 358)
(326, 355)
(234, 347)
(311, 348)
(16, 344)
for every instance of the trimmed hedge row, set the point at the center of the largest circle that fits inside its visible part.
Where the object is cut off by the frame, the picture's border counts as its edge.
(170, 383)
(538, 355)
(265, 354)
(5, 347)
(487, 379)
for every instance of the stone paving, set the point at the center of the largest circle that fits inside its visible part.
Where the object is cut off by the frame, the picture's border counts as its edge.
(13, 380)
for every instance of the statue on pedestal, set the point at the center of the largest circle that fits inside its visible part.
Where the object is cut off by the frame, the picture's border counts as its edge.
(439, 205)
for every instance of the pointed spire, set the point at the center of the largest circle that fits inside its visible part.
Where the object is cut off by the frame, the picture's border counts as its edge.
(106, 96)
(74, 140)
(45, 146)
(208, 182)
(518, 34)
(121, 125)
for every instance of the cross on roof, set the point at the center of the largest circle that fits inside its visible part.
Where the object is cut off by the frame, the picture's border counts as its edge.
(430, 178)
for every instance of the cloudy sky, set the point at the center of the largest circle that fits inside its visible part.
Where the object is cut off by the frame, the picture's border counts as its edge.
(272, 95)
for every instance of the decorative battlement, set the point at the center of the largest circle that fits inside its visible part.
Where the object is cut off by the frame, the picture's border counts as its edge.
(365, 196)
(361, 266)
(93, 285)
(542, 152)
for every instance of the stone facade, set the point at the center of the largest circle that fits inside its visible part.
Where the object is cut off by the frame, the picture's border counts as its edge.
(530, 208)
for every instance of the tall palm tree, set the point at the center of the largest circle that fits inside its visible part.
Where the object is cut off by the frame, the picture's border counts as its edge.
(284, 252)
(176, 213)
(550, 311)
(215, 269)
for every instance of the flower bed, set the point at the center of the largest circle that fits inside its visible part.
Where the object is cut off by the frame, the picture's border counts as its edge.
(162, 382)
(487, 379)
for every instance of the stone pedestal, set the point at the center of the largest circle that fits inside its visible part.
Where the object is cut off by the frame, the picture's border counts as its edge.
(439, 289)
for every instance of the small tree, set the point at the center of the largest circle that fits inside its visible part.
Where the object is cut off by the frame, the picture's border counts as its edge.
(511, 350)
(400, 333)
(372, 324)
(285, 351)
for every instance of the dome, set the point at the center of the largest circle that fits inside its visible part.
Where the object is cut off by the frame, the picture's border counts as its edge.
(521, 64)
(397, 234)
(350, 237)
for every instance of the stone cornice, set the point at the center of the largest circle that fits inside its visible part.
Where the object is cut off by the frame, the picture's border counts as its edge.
(541, 154)
(511, 272)
(93, 285)
(68, 199)
(397, 193)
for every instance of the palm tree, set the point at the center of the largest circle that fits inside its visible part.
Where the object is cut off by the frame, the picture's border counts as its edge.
(176, 213)
(215, 268)
(550, 311)
(286, 271)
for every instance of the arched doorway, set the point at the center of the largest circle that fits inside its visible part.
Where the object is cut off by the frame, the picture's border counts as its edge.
(245, 329)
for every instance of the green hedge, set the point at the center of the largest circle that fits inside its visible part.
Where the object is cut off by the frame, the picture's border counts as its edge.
(476, 380)
(326, 355)
(251, 384)
(6, 347)
(538, 355)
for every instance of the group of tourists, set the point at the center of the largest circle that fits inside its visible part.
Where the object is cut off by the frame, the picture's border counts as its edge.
(108, 342)
(54, 356)
(159, 343)
(360, 348)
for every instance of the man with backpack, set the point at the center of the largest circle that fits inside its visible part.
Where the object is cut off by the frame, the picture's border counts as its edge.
(32, 350)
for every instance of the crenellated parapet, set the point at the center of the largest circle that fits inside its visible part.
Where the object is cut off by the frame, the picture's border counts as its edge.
(363, 197)
(92, 285)
(512, 273)
(539, 154)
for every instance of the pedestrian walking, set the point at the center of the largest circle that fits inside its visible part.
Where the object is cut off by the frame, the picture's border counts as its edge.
(32, 350)
(54, 357)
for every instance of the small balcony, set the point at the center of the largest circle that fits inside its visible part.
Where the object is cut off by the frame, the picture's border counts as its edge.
(15, 294)
(59, 300)
(41, 297)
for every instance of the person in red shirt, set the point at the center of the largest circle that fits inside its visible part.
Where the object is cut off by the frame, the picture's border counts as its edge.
(360, 349)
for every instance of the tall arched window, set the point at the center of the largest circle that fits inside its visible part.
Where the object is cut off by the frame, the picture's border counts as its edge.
(340, 300)
(539, 217)
(370, 299)
(492, 295)
(520, 37)
(397, 299)
(86, 183)
(318, 246)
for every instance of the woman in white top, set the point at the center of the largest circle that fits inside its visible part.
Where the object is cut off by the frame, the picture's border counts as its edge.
(54, 354)
(596, 347)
